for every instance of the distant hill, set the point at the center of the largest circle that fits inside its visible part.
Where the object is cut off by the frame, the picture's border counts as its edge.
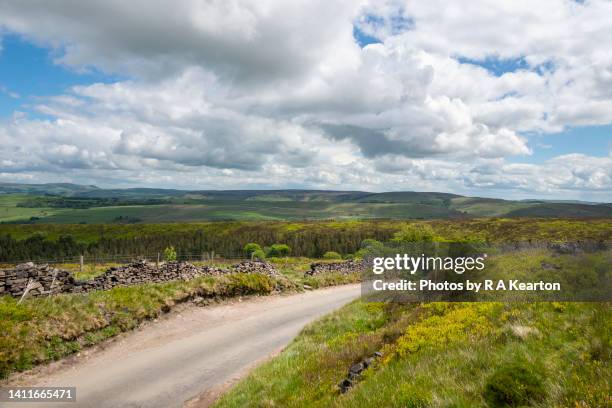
(50, 188)
(563, 210)
(72, 203)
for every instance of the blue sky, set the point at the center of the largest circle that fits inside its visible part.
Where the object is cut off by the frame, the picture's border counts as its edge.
(588, 140)
(28, 72)
(374, 96)
(497, 66)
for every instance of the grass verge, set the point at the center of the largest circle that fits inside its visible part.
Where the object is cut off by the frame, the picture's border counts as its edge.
(443, 355)
(40, 330)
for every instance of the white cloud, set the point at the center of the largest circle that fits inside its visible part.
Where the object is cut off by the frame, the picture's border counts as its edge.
(275, 93)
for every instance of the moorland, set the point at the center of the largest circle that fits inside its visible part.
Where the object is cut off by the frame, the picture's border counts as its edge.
(74, 204)
(433, 354)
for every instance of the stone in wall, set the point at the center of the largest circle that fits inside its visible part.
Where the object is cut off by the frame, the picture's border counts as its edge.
(42, 280)
(256, 267)
(344, 267)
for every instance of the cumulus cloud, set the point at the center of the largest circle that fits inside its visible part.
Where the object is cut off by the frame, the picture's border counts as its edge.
(240, 40)
(279, 94)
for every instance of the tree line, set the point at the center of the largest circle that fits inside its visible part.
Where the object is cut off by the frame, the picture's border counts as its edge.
(308, 242)
(308, 239)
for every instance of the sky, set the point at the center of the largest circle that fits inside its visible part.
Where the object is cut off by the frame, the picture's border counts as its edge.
(484, 98)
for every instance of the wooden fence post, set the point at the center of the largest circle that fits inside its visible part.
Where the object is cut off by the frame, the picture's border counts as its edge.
(81, 263)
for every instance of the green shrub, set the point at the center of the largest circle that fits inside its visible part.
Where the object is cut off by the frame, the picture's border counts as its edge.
(259, 254)
(250, 248)
(368, 246)
(332, 255)
(279, 250)
(170, 254)
(415, 233)
(371, 243)
(515, 384)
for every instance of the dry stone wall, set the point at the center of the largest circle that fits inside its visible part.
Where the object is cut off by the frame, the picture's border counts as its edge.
(41, 279)
(145, 272)
(344, 267)
(256, 267)
(46, 280)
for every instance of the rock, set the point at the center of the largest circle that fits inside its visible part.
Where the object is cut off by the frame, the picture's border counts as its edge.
(549, 266)
(256, 267)
(356, 368)
(345, 385)
(344, 267)
(566, 247)
(213, 271)
(25, 266)
(355, 373)
(43, 280)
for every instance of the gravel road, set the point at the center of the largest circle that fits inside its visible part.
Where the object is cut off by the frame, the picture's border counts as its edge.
(187, 357)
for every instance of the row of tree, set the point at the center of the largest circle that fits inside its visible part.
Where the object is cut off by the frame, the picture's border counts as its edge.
(308, 242)
(327, 243)
(254, 251)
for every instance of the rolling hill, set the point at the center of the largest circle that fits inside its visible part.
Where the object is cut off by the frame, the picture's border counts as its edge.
(71, 203)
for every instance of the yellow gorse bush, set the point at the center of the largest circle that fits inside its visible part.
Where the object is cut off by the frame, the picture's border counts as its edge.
(448, 324)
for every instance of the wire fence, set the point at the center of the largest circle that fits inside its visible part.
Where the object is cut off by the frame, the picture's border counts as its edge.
(205, 257)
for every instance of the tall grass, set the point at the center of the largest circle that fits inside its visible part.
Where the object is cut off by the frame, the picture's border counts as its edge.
(443, 355)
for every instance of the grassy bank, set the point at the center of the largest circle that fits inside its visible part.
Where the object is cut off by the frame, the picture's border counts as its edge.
(442, 355)
(45, 329)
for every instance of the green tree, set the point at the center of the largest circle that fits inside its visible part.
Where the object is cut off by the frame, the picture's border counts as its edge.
(367, 246)
(259, 255)
(415, 233)
(332, 255)
(170, 254)
(250, 248)
(370, 243)
(279, 250)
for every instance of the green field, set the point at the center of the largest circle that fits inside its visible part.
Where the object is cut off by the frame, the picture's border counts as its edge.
(248, 210)
(72, 204)
(9, 212)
